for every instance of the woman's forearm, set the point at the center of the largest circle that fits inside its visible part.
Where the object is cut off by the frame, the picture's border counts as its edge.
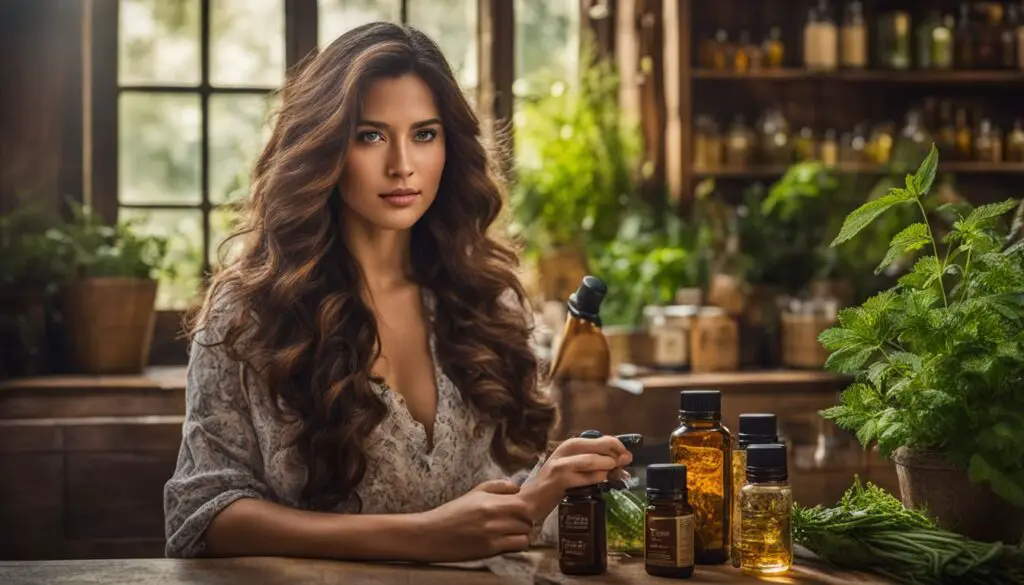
(251, 527)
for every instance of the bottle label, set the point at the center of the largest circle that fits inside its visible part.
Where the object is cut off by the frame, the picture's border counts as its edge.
(669, 541)
(575, 533)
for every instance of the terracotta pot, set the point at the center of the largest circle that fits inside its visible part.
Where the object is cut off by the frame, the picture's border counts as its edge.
(109, 322)
(928, 480)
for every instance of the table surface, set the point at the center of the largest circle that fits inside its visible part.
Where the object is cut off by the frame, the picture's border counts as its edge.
(290, 571)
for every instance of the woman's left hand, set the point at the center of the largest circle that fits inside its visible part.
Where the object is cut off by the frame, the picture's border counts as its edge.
(576, 462)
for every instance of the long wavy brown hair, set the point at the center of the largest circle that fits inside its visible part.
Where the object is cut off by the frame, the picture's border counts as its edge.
(291, 299)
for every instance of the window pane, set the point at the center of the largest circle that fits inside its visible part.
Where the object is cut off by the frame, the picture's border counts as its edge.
(180, 276)
(222, 223)
(238, 131)
(453, 25)
(158, 152)
(158, 42)
(337, 17)
(247, 43)
(546, 44)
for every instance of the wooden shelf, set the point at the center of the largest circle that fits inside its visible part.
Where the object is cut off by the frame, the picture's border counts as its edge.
(742, 381)
(867, 75)
(769, 171)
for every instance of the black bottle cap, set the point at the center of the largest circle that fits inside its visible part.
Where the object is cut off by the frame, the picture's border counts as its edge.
(585, 303)
(701, 403)
(758, 428)
(666, 477)
(767, 462)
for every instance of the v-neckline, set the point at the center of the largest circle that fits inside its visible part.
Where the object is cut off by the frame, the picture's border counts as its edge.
(429, 439)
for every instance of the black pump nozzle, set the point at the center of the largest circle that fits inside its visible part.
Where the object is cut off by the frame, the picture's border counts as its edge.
(585, 303)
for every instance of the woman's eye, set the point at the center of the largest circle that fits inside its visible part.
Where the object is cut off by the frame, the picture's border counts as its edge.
(426, 135)
(371, 136)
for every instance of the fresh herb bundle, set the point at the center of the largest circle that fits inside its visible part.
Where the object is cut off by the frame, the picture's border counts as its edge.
(871, 530)
(939, 358)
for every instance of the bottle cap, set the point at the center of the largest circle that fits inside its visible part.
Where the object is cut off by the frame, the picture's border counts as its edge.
(758, 428)
(666, 477)
(701, 403)
(766, 462)
(586, 301)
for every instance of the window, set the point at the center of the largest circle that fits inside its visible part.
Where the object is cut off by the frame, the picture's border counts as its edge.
(194, 78)
(452, 23)
(191, 89)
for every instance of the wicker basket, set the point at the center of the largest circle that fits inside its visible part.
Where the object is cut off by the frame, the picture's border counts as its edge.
(109, 323)
(800, 347)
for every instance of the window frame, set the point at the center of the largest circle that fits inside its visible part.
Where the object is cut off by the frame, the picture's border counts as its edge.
(101, 96)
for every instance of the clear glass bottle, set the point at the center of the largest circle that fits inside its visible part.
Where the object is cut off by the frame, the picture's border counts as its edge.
(668, 523)
(1015, 142)
(755, 429)
(739, 144)
(720, 50)
(853, 38)
(988, 144)
(942, 43)
(828, 38)
(707, 143)
(1008, 38)
(829, 150)
(766, 512)
(774, 49)
(774, 138)
(704, 445)
(582, 532)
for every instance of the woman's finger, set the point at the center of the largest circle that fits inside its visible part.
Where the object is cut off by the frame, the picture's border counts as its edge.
(587, 463)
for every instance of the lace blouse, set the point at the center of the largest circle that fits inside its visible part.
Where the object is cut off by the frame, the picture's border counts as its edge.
(235, 445)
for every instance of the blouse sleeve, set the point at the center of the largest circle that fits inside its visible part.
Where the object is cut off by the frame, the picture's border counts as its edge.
(219, 461)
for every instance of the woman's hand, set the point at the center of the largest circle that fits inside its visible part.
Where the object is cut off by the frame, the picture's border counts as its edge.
(489, 520)
(576, 462)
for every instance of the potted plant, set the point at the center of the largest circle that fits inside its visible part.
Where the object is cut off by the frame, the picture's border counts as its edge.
(577, 165)
(939, 362)
(28, 277)
(108, 301)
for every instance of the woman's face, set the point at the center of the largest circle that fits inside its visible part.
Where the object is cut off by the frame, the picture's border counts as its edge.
(396, 159)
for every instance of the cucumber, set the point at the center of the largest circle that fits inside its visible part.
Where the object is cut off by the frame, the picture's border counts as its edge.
(626, 514)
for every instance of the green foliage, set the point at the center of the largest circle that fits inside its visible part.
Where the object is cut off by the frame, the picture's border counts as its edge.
(87, 247)
(939, 358)
(869, 529)
(578, 163)
(645, 265)
(26, 253)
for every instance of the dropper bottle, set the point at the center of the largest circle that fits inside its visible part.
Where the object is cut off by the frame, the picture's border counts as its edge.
(755, 429)
(583, 353)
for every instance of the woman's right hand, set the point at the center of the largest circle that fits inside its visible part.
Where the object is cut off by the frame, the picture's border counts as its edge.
(489, 520)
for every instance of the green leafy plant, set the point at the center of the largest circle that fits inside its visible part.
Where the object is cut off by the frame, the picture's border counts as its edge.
(578, 162)
(27, 254)
(869, 529)
(87, 247)
(939, 358)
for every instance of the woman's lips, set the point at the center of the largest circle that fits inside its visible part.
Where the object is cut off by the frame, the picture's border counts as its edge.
(401, 198)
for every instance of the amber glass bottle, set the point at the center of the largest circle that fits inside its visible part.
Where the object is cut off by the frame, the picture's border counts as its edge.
(583, 353)
(668, 523)
(704, 446)
(582, 536)
(755, 429)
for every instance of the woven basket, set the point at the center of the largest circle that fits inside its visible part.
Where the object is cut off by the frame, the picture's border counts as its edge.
(109, 323)
(800, 347)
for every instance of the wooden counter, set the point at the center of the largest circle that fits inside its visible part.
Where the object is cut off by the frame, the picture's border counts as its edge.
(287, 571)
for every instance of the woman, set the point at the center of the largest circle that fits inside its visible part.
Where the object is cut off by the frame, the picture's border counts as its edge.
(361, 383)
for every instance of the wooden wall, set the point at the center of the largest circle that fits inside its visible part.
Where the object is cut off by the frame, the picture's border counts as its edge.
(40, 101)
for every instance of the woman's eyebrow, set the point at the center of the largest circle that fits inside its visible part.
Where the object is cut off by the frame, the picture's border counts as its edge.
(385, 126)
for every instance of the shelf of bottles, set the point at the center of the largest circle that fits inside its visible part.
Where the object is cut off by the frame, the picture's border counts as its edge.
(981, 42)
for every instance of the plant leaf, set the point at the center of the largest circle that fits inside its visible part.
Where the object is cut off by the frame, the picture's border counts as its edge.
(991, 211)
(848, 359)
(861, 217)
(912, 238)
(926, 271)
(979, 469)
(925, 175)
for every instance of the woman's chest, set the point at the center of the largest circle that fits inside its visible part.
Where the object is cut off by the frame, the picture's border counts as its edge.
(404, 471)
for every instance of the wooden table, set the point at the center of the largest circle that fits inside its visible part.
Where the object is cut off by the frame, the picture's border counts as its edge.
(289, 571)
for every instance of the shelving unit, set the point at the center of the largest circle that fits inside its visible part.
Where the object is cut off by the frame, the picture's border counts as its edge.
(820, 99)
